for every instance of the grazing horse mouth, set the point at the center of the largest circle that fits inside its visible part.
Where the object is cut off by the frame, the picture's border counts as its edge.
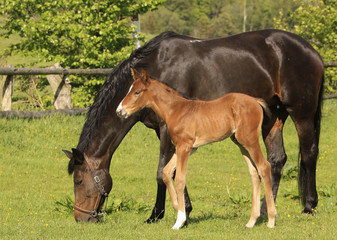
(95, 215)
(103, 185)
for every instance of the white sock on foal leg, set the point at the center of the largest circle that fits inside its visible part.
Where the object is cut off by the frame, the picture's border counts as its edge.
(181, 218)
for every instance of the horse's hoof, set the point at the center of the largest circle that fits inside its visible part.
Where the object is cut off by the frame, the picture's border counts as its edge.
(249, 225)
(181, 220)
(271, 224)
(308, 211)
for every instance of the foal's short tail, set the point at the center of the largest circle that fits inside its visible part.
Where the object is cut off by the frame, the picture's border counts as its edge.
(266, 111)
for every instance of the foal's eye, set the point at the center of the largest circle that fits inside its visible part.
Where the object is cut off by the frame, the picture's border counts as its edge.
(137, 92)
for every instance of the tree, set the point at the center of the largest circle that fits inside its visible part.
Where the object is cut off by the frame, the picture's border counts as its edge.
(75, 33)
(316, 21)
(213, 18)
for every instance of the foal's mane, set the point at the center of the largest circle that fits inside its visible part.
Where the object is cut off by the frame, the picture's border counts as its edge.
(118, 80)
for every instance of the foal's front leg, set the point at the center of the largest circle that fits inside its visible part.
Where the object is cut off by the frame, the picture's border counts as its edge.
(167, 178)
(180, 183)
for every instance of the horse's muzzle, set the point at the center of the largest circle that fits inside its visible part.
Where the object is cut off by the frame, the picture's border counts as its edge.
(121, 112)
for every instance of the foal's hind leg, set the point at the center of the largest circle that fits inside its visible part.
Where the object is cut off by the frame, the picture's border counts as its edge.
(252, 146)
(256, 182)
(273, 138)
(264, 170)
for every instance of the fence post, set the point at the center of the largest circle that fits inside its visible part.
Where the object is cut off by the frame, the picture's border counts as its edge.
(7, 92)
(61, 88)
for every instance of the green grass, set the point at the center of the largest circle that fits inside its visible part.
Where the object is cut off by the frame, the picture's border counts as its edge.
(36, 191)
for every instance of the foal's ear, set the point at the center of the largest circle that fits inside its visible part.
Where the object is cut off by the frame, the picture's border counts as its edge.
(145, 78)
(135, 74)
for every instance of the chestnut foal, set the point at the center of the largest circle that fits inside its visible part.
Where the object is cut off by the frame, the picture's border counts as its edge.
(193, 123)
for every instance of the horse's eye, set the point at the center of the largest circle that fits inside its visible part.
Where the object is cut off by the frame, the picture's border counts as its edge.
(78, 182)
(137, 92)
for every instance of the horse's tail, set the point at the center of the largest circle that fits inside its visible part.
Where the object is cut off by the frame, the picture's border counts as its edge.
(266, 111)
(301, 179)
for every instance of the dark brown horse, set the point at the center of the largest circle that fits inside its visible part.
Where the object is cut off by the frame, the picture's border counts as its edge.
(277, 66)
(194, 123)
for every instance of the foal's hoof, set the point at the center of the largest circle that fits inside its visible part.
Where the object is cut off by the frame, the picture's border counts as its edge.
(181, 220)
(271, 224)
(250, 225)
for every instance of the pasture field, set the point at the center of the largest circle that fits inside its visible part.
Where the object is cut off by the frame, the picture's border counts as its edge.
(36, 192)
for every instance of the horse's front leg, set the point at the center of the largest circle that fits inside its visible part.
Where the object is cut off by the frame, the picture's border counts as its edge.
(166, 152)
(182, 153)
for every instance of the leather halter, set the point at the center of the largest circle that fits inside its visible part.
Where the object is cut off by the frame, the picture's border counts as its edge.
(101, 195)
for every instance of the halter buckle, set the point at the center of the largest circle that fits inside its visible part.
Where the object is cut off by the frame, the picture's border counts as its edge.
(97, 179)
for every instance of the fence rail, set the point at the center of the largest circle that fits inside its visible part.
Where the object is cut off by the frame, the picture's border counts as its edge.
(330, 64)
(41, 114)
(57, 77)
(65, 71)
(54, 71)
(61, 87)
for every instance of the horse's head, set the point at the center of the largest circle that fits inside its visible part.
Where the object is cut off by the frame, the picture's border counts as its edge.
(92, 185)
(136, 98)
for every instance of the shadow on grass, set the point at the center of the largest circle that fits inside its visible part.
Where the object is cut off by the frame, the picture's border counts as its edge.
(262, 220)
(211, 216)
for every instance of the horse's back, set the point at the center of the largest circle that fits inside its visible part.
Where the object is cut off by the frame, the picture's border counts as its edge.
(261, 64)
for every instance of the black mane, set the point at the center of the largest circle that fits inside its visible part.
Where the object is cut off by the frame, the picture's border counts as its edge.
(117, 81)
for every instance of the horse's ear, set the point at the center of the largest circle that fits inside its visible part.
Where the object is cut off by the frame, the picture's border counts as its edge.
(145, 77)
(78, 155)
(135, 74)
(144, 73)
(69, 154)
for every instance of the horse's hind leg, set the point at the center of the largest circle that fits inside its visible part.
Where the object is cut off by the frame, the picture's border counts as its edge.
(307, 176)
(272, 134)
(252, 146)
(256, 182)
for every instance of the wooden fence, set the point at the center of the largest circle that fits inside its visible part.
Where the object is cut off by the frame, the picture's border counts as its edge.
(57, 77)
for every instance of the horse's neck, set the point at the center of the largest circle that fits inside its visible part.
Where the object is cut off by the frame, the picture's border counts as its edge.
(164, 102)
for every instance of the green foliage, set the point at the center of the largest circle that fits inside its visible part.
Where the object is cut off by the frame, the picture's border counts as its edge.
(209, 18)
(290, 171)
(77, 34)
(127, 203)
(316, 21)
(74, 33)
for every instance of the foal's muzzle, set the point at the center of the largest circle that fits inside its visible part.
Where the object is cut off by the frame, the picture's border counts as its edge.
(121, 112)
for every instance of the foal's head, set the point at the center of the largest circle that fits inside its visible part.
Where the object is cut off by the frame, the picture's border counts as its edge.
(136, 98)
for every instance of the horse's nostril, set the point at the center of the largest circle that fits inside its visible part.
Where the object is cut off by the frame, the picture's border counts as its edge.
(93, 220)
